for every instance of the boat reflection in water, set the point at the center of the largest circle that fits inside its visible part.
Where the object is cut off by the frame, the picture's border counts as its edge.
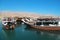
(47, 35)
(38, 31)
(24, 32)
(8, 34)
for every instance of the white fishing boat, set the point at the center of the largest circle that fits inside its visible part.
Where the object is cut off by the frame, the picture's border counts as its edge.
(8, 22)
(45, 23)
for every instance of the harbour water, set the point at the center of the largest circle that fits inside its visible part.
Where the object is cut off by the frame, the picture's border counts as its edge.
(23, 32)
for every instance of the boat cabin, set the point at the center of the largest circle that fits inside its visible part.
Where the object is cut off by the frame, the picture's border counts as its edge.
(48, 22)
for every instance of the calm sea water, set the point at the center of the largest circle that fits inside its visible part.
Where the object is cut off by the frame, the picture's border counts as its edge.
(23, 32)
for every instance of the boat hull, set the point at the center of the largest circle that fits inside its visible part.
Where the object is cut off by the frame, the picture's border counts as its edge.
(46, 27)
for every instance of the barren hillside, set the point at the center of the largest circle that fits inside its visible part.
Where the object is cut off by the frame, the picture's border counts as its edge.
(23, 14)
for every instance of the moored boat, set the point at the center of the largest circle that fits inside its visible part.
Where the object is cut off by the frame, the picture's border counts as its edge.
(8, 23)
(18, 20)
(46, 24)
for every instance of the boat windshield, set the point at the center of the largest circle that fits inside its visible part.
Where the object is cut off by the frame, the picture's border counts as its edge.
(4, 19)
(9, 19)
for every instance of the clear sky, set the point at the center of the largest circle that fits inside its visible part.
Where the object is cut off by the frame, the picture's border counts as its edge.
(39, 6)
